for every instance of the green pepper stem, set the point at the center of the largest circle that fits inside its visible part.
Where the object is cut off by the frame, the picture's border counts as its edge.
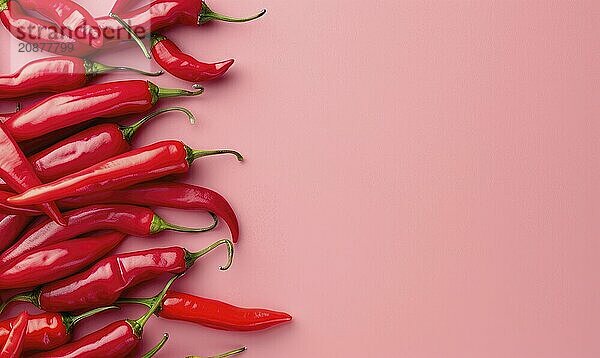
(192, 154)
(148, 302)
(208, 15)
(177, 92)
(95, 68)
(130, 131)
(70, 321)
(132, 33)
(225, 355)
(192, 257)
(141, 322)
(32, 297)
(159, 225)
(158, 347)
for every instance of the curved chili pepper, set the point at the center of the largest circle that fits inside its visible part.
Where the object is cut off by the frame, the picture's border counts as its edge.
(13, 347)
(161, 14)
(105, 282)
(10, 227)
(35, 145)
(70, 17)
(57, 261)
(56, 74)
(182, 65)
(137, 166)
(106, 100)
(117, 340)
(161, 194)
(47, 331)
(18, 173)
(211, 313)
(128, 219)
(46, 35)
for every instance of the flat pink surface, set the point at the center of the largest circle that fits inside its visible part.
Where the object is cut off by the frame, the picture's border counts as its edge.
(421, 178)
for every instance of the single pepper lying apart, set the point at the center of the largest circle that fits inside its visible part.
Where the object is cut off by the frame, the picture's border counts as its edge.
(105, 100)
(103, 283)
(182, 65)
(128, 219)
(212, 313)
(54, 75)
(47, 331)
(117, 340)
(139, 165)
(13, 347)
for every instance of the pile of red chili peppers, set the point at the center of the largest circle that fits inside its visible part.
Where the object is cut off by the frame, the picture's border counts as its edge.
(73, 188)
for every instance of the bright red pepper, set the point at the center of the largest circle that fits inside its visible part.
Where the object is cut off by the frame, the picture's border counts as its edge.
(103, 283)
(182, 65)
(13, 347)
(55, 74)
(36, 145)
(131, 220)
(18, 173)
(10, 227)
(211, 313)
(106, 100)
(137, 166)
(117, 340)
(57, 261)
(71, 18)
(153, 194)
(43, 34)
(161, 14)
(47, 331)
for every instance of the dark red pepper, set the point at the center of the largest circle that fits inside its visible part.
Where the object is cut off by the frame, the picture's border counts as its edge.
(182, 65)
(128, 219)
(55, 74)
(117, 340)
(47, 331)
(18, 173)
(106, 100)
(211, 313)
(13, 347)
(137, 166)
(105, 282)
(57, 261)
(10, 227)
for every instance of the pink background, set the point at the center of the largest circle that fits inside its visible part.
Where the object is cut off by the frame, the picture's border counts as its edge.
(421, 178)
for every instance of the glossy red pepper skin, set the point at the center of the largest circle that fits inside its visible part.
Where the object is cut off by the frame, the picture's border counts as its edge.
(40, 32)
(45, 331)
(13, 347)
(10, 227)
(139, 165)
(18, 173)
(104, 282)
(57, 261)
(36, 145)
(53, 75)
(111, 99)
(71, 18)
(116, 340)
(183, 66)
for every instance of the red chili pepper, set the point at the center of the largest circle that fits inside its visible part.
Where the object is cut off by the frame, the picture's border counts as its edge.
(103, 283)
(10, 227)
(56, 74)
(106, 100)
(211, 313)
(57, 261)
(47, 331)
(70, 17)
(43, 34)
(13, 347)
(154, 194)
(117, 340)
(137, 166)
(182, 65)
(35, 145)
(131, 220)
(161, 14)
(18, 173)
